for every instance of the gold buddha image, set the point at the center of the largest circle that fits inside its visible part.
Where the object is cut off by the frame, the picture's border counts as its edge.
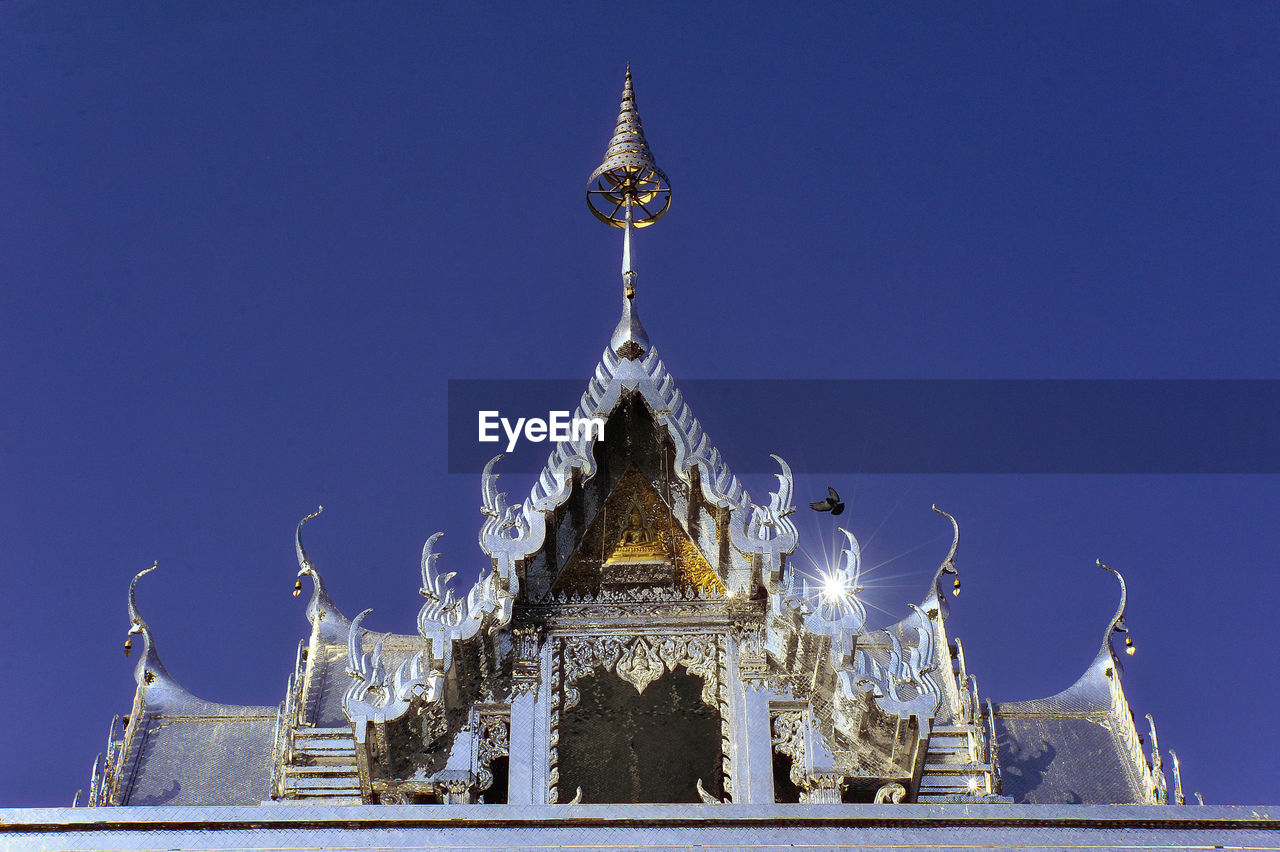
(638, 540)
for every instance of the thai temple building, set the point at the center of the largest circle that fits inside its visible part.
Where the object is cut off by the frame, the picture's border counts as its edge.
(637, 665)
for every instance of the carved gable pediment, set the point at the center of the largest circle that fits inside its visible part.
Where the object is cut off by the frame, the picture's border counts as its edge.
(636, 541)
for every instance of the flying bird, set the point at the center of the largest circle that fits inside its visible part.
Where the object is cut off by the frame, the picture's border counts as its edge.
(832, 504)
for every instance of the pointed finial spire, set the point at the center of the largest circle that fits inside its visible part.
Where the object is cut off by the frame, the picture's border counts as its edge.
(628, 190)
(629, 177)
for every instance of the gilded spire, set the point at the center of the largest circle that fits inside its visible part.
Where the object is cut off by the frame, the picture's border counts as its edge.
(628, 190)
(629, 179)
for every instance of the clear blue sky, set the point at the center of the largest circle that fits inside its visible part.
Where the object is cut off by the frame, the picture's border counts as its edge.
(246, 245)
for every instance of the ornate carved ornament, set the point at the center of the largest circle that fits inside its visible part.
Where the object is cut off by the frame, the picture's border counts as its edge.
(449, 786)
(507, 536)
(788, 728)
(376, 695)
(633, 596)
(831, 607)
(767, 532)
(890, 794)
(526, 663)
(641, 660)
(904, 683)
(493, 739)
(648, 605)
(753, 659)
(822, 788)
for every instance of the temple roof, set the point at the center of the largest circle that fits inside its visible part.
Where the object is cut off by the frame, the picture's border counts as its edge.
(1078, 745)
(1071, 747)
(891, 708)
(198, 753)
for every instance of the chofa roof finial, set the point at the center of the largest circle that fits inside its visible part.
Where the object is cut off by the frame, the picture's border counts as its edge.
(320, 606)
(1117, 624)
(149, 666)
(948, 565)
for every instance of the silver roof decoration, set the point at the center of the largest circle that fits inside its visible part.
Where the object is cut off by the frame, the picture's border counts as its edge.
(1117, 624)
(838, 607)
(629, 339)
(937, 594)
(1178, 797)
(510, 533)
(904, 684)
(767, 531)
(442, 607)
(149, 667)
(628, 190)
(374, 696)
(321, 611)
(629, 176)
(900, 676)
(1161, 791)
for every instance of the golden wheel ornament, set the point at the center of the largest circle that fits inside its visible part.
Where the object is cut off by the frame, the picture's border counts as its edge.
(628, 187)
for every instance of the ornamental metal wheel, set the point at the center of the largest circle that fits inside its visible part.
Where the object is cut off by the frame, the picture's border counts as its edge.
(645, 189)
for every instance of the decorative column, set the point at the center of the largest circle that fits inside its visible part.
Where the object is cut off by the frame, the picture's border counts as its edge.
(753, 743)
(530, 698)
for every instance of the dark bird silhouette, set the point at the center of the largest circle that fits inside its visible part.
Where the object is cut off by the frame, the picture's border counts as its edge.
(832, 504)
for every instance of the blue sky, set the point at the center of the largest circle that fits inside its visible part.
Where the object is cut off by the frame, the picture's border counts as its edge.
(247, 245)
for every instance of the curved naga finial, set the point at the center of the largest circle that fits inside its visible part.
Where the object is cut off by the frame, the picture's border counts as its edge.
(838, 598)
(320, 607)
(442, 606)
(374, 696)
(149, 666)
(1117, 624)
(304, 564)
(508, 534)
(948, 566)
(905, 685)
(767, 530)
